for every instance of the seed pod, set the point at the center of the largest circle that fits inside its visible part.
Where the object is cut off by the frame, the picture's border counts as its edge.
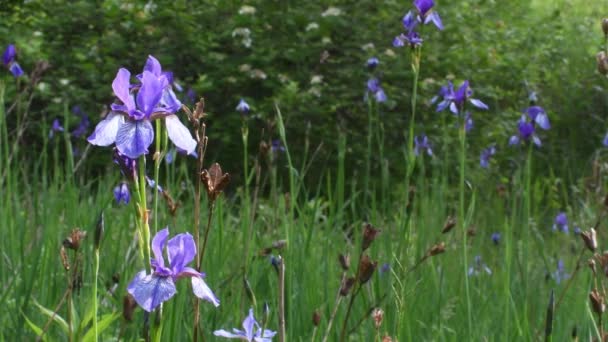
(590, 239)
(128, 306)
(366, 269)
(347, 284)
(344, 261)
(592, 266)
(316, 318)
(73, 241)
(436, 249)
(450, 223)
(369, 235)
(65, 261)
(597, 302)
(378, 316)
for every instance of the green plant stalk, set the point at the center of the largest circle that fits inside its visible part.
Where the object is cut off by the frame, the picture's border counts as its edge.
(157, 160)
(461, 220)
(368, 155)
(526, 228)
(416, 55)
(95, 277)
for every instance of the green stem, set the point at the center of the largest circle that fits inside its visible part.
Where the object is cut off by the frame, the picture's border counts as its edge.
(416, 55)
(143, 212)
(157, 159)
(95, 277)
(461, 220)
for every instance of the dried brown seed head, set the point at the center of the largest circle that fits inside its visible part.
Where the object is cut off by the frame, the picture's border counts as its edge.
(128, 307)
(590, 239)
(597, 302)
(378, 316)
(74, 239)
(65, 261)
(214, 181)
(347, 284)
(366, 269)
(450, 223)
(344, 261)
(369, 235)
(199, 111)
(605, 26)
(436, 249)
(602, 62)
(387, 338)
(592, 266)
(316, 318)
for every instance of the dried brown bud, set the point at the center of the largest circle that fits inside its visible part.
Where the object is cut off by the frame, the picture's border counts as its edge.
(347, 284)
(128, 306)
(172, 205)
(344, 261)
(65, 261)
(602, 62)
(590, 239)
(369, 235)
(471, 231)
(199, 111)
(316, 318)
(592, 266)
(278, 245)
(366, 269)
(378, 316)
(73, 241)
(450, 223)
(603, 262)
(597, 302)
(215, 181)
(605, 26)
(436, 249)
(387, 338)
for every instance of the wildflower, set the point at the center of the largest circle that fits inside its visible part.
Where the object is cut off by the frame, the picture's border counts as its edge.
(527, 126)
(496, 238)
(605, 140)
(421, 142)
(150, 290)
(129, 124)
(252, 331)
(242, 107)
(374, 88)
(560, 273)
(456, 100)
(561, 222)
(372, 63)
(412, 38)
(486, 154)
(538, 116)
(128, 166)
(277, 146)
(55, 128)
(9, 60)
(82, 127)
(478, 266)
(426, 13)
(152, 184)
(121, 193)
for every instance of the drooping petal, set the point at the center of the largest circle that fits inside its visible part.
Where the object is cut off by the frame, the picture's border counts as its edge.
(9, 54)
(442, 105)
(158, 244)
(150, 93)
(249, 325)
(513, 140)
(121, 85)
(179, 134)
(181, 250)
(454, 108)
(134, 137)
(153, 66)
(536, 140)
(106, 130)
(202, 291)
(423, 6)
(398, 41)
(15, 69)
(224, 333)
(477, 103)
(605, 140)
(542, 120)
(436, 19)
(169, 101)
(149, 291)
(409, 21)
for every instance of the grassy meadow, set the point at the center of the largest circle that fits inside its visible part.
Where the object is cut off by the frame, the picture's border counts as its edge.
(485, 230)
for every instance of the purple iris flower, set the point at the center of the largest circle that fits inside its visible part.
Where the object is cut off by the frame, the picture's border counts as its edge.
(251, 331)
(425, 13)
(468, 122)
(455, 100)
(538, 115)
(150, 290)
(129, 124)
(486, 154)
(128, 166)
(121, 193)
(374, 88)
(243, 107)
(478, 267)
(55, 128)
(412, 38)
(560, 273)
(496, 238)
(83, 125)
(277, 146)
(605, 140)
(9, 60)
(561, 222)
(372, 63)
(421, 143)
(191, 96)
(533, 116)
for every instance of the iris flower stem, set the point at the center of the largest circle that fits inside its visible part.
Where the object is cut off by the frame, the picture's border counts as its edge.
(201, 146)
(526, 225)
(143, 212)
(462, 135)
(157, 159)
(95, 276)
(416, 55)
(335, 310)
(366, 191)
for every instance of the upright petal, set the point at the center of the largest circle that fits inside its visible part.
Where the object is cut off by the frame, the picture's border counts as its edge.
(249, 325)
(158, 244)
(153, 66)
(179, 134)
(121, 86)
(181, 250)
(436, 19)
(149, 291)
(202, 291)
(150, 93)
(106, 130)
(477, 103)
(169, 101)
(134, 138)
(15, 69)
(542, 120)
(9, 54)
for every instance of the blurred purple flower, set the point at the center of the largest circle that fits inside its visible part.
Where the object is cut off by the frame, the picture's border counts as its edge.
(478, 267)
(486, 154)
(496, 238)
(456, 100)
(277, 146)
(374, 88)
(252, 331)
(150, 290)
(561, 222)
(9, 60)
(538, 115)
(55, 128)
(468, 122)
(577, 230)
(422, 143)
(533, 116)
(412, 38)
(560, 273)
(128, 166)
(243, 107)
(605, 140)
(372, 63)
(152, 184)
(121, 193)
(191, 96)
(129, 124)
